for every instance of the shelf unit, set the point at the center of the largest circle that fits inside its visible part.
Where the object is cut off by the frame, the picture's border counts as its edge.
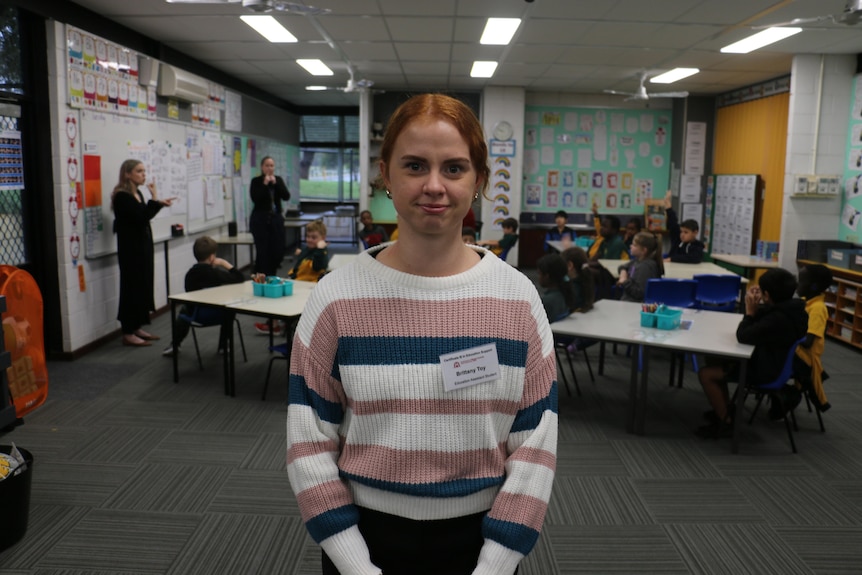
(844, 304)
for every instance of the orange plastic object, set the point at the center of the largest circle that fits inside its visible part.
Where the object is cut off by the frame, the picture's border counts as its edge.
(24, 339)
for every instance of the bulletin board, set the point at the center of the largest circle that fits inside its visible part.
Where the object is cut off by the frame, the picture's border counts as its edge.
(851, 202)
(185, 163)
(735, 214)
(579, 158)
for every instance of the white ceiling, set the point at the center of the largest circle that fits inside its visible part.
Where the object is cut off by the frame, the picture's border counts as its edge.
(579, 46)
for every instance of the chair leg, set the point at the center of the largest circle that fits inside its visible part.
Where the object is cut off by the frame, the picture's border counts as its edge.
(589, 367)
(562, 373)
(601, 358)
(266, 379)
(672, 369)
(820, 420)
(790, 430)
(680, 370)
(792, 414)
(574, 375)
(241, 341)
(756, 407)
(197, 349)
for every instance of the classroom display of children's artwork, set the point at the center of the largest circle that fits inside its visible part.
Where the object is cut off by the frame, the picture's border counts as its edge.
(580, 158)
(851, 201)
(734, 214)
(501, 174)
(103, 76)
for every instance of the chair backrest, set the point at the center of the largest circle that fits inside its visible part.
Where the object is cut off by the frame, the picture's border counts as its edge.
(670, 291)
(717, 288)
(204, 316)
(786, 370)
(603, 281)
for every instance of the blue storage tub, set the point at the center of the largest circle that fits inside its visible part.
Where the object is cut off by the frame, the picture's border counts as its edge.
(257, 289)
(273, 290)
(662, 319)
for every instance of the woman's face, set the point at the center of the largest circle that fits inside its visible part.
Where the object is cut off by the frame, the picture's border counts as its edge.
(268, 167)
(430, 177)
(138, 175)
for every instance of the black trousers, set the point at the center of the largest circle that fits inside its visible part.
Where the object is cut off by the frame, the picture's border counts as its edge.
(402, 546)
(267, 229)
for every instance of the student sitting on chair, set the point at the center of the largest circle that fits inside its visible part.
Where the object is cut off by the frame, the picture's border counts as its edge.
(210, 271)
(509, 239)
(312, 260)
(773, 322)
(560, 232)
(609, 245)
(814, 280)
(645, 265)
(685, 248)
(559, 296)
(633, 226)
(370, 234)
(468, 236)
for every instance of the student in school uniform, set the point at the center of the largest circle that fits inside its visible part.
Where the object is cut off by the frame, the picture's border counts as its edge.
(560, 232)
(685, 248)
(609, 245)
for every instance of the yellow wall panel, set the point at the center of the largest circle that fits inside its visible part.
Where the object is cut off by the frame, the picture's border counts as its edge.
(751, 138)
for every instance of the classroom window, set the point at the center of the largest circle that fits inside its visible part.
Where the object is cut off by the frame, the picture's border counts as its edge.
(10, 53)
(12, 249)
(329, 164)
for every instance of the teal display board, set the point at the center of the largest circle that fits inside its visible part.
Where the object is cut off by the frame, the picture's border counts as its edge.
(578, 158)
(851, 204)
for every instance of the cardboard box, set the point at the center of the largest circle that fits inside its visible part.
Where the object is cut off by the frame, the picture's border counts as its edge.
(815, 250)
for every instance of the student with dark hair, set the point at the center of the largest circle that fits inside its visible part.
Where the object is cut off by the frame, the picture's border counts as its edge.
(814, 280)
(609, 245)
(509, 239)
(581, 277)
(560, 232)
(559, 296)
(633, 226)
(685, 248)
(773, 321)
(371, 234)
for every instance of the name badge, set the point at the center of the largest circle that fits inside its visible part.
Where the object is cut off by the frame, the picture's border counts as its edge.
(470, 366)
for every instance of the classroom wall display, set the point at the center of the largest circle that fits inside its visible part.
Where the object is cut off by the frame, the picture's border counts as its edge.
(734, 214)
(579, 158)
(851, 201)
(501, 174)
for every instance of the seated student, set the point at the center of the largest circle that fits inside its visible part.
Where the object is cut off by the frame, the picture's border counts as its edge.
(773, 321)
(645, 265)
(370, 234)
(581, 278)
(633, 226)
(558, 297)
(509, 239)
(814, 280)
(609, 245)
(685, 248)
(210, 271)
(468, 235)
(560, 232)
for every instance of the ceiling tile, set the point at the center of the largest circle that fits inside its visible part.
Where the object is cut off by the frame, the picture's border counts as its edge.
(369, 50)
(354, 28)
(551, 31)
(420, 29)
(423, 51)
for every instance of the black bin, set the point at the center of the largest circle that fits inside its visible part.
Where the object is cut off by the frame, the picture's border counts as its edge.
(15, 501)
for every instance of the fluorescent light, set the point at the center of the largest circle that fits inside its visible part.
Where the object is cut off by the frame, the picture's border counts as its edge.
(761, 39)
(499, 31)
(315, 67)
(316, 88)
(269, 28)
(483, 69)
(674, 75)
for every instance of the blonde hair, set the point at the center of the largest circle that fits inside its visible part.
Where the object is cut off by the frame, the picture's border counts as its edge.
(316, 226)
(123, 182)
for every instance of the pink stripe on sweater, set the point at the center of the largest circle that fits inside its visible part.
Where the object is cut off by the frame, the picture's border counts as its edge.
(522, 509)
(417, 467)
(536, 456)
(468, 317)
(322, 498)
(325, 386)
(537, 382)
(309, 449)
(434, 407)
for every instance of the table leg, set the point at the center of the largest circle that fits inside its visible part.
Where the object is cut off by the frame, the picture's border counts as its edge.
(174, 341)
(740, 402)
(643, 351)
(633, 392)
(231, 358)
(225, 356)
(167, 270)
(601, 358)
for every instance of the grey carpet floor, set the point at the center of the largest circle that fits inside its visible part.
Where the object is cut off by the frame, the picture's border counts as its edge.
(137, 475)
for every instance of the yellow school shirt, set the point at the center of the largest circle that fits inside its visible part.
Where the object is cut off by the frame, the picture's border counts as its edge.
(817, 316)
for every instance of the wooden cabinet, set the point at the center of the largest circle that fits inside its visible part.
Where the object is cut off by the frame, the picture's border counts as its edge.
(844, 302)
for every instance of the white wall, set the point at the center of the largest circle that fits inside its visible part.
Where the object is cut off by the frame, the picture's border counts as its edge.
(816, 143)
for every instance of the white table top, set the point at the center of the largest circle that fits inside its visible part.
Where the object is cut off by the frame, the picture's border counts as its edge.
(745, 261)
(241, 239)
(240, 297)
(562, 246)
(710, 332)
(675, 270)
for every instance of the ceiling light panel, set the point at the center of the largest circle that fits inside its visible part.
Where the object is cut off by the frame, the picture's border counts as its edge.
(674, 75)
(761, 39)
(483, 69)
(315, 67)
(499, 31)
(269, 28)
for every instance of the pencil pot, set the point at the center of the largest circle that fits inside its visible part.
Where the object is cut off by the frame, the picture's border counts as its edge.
(668, 318)
(257, 288)
(273, 290)
(15, 501)
(288, 287)
(648, 319)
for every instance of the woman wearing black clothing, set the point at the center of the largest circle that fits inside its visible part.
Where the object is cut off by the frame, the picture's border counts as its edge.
(132, 215)
(267, 224)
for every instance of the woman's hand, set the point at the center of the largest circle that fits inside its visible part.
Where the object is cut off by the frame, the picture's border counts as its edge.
(166, 201)
(152, 187)
(268, 179)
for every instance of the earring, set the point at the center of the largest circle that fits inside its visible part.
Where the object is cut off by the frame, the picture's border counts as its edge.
(388, 194)
(476, 196)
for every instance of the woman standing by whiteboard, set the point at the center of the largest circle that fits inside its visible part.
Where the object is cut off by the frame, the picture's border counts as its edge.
(267, 224)
(132, 215)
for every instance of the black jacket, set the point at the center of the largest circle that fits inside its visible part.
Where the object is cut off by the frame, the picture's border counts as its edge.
(685, 253)
(772, 330)
(203, 275)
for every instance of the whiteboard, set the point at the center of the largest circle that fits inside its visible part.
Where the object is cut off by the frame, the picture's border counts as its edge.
(171, 153)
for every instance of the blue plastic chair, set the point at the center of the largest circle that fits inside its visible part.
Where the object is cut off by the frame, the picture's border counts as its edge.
(675, 293)
(717, 292)
(203, 316)
(771, 388)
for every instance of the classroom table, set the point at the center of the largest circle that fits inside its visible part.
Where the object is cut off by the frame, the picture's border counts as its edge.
(619, 322)
(241, 299)
(748, 263)
(241, 239)
(560, 246)
(675, 270)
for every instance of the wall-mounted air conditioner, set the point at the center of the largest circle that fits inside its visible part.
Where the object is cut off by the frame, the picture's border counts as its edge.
(182, 85)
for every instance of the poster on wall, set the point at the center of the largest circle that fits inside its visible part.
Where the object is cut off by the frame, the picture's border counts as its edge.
(579, 159)
(501, 174)
(851, 200)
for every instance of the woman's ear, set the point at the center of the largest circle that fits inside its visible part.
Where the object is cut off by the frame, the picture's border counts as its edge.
(384, 173)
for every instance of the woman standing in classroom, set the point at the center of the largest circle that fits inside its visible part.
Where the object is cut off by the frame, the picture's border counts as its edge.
(267, 223)
(132, 215)
(422, 424)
